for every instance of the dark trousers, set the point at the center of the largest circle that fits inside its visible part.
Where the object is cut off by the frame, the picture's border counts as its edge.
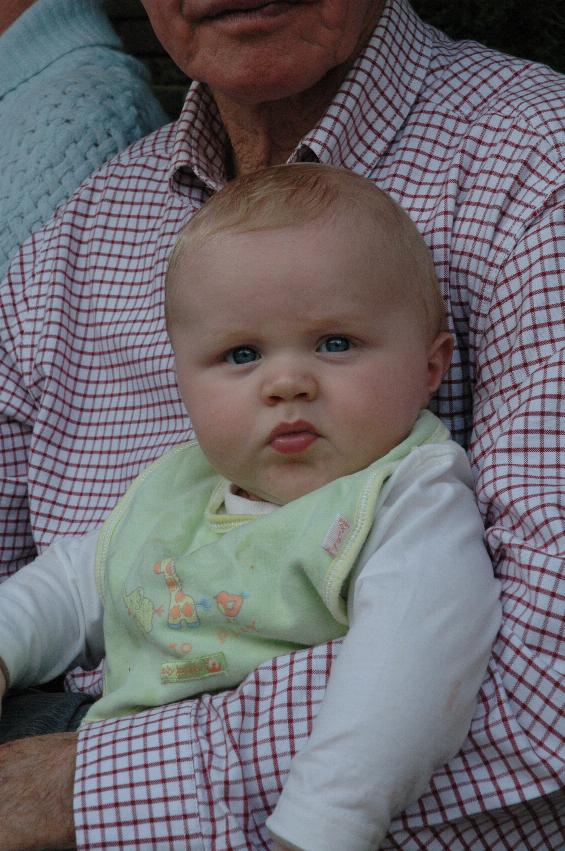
(34, 712)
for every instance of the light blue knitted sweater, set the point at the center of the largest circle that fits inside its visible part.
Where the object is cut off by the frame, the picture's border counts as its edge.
(70, 99)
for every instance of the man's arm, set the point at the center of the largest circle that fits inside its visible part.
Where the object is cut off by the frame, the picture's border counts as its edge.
(36, 779)
(16, 421)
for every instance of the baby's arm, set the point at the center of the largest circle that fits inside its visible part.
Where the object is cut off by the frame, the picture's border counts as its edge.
(50, 615)
(424, 612)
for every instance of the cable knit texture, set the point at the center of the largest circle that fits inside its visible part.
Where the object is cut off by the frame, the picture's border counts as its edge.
(70, 99)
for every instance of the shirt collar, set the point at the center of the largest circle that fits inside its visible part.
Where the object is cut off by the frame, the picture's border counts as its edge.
(377, 95)
(236, 504)
(370, 107)
(45, 32)
(200, 142)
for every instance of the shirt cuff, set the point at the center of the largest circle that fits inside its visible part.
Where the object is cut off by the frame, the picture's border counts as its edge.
(135, 782)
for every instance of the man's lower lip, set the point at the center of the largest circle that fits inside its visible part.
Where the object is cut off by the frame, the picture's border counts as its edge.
(299, 441)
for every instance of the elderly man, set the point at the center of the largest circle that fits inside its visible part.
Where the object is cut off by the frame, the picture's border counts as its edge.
(471, 144)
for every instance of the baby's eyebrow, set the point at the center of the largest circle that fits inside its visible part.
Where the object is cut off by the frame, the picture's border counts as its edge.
(338, 323)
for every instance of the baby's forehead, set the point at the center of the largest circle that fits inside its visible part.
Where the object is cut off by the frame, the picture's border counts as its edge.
(356, 261)
(387, 239)
(346, 226)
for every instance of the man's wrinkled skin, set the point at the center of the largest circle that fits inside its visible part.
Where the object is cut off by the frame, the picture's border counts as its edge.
(36, 793)
(271, 79)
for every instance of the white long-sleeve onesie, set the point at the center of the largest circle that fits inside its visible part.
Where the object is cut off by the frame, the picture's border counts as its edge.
(423, 610)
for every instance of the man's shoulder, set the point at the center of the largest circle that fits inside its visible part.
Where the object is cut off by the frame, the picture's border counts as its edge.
(475, 83)
(124, 195)
(132, 181)
(150, 155)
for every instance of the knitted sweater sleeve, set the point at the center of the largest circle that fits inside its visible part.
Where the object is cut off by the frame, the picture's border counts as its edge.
(60, 126)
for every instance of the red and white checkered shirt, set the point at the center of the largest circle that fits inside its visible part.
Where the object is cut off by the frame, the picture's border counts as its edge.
(472, 144)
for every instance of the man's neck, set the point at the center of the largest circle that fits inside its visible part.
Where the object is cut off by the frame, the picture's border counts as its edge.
(10, 11)
(266, 134)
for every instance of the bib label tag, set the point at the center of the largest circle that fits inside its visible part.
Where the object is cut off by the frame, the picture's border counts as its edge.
(193, 669)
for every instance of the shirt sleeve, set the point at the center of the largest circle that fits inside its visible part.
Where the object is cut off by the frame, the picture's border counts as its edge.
(51, 615)
(424, 612)
(17, 415)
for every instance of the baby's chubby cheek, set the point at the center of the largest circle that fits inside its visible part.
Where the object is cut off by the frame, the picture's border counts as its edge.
(221, 439)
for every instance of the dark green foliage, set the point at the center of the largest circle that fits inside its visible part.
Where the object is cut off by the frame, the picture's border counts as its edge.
(534, 30)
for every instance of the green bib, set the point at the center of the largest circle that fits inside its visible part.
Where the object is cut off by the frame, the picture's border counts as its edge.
(195, 599)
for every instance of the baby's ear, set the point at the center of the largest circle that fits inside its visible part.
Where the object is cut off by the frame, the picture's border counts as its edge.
(439, 358)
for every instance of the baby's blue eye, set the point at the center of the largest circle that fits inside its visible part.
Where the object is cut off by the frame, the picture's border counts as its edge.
(242, 355)
(334, 344)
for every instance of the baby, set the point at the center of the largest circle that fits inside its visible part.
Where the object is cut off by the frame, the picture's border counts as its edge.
(321, 495)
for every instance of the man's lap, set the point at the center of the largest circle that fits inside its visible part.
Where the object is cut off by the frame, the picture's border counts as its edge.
(34, 712)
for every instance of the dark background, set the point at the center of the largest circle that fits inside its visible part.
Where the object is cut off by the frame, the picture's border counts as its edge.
(533, 30)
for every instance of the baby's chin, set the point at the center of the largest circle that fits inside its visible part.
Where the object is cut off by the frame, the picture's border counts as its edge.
(284, 495)
(288, 480)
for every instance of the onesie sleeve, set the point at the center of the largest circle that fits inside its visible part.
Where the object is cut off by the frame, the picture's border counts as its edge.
(51, 614)
(424, 611)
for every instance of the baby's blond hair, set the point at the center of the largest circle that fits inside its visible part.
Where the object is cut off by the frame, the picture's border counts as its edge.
(288, 196)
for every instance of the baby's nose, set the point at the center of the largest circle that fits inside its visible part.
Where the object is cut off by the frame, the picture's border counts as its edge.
(289, 382)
